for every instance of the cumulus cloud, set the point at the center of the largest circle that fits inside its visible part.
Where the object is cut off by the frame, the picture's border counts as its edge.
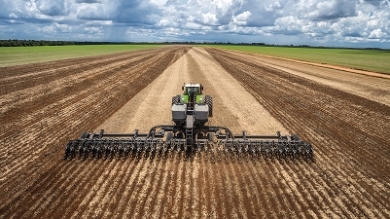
(51, 7)
(93, 13)
(327, 10)
(317, 22)
(242, 18)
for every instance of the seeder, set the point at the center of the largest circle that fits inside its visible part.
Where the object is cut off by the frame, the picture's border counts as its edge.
(189, 134)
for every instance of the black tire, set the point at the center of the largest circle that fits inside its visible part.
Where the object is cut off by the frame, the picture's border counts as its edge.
(295, 137)
(209, 102)
(175, 100)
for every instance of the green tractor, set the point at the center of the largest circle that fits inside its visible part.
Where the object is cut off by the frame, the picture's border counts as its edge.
(192, 96)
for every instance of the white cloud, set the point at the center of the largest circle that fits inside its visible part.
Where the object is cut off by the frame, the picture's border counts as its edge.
(92, 12)
(320, 22)
(242, 18)
(209, 19)
(377, 34)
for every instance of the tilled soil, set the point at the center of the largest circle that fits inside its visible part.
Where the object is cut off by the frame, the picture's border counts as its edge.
(44, 105)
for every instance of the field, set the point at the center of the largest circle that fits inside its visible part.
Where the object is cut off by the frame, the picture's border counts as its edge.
(346, 117)
(24, 55)
(363, 59)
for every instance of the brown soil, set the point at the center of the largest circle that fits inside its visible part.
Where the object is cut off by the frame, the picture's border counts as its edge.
(44, 105)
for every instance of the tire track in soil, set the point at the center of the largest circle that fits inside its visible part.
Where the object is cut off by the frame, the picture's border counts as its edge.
(134, 179)
(105, 195)
(75, 198)
(171, 191)
(205, 208)
(156, 203)
(85, 200)
(253, 187)
(266, 197)
(239, 188)
(124, 189)
(186, 207)
(245, 176)
(94, 201)
(153, 191)
(213, 191)
(177, 190)
(167, 180)
(218, 204)
(145, 193)
(183, 189)
(150, 192)
(140, 188)
(345, 213)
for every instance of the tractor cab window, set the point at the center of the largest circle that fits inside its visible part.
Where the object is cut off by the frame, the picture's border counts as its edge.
(193, 90)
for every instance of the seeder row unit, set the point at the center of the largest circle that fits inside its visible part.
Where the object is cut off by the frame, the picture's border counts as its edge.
(211, 139)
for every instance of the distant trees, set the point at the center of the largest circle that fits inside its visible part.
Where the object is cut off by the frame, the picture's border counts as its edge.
(20, 43)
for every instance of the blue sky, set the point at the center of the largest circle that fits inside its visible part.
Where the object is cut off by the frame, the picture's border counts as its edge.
(350, 23)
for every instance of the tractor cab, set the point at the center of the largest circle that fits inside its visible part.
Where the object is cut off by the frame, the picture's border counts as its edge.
(195, 89)
(192, 93)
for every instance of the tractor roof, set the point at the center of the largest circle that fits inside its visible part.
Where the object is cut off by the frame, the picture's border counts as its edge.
(192, 85)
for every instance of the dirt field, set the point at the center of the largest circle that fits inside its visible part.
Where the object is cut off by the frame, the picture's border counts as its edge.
(345, 116)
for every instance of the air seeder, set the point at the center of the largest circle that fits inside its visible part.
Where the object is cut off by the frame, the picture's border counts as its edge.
(189, 133)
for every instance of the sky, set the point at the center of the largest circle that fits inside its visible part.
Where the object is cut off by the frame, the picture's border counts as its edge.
(338, 23)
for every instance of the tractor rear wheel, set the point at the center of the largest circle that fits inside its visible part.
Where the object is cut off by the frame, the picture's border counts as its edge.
(209, 102)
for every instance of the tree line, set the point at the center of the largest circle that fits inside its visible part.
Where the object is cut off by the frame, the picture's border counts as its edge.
(21, 43)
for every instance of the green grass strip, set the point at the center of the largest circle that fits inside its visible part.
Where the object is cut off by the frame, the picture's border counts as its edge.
(362, 59)
(23, 55)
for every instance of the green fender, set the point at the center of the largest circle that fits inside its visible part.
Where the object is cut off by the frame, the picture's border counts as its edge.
(199, 98)
(184, 98)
